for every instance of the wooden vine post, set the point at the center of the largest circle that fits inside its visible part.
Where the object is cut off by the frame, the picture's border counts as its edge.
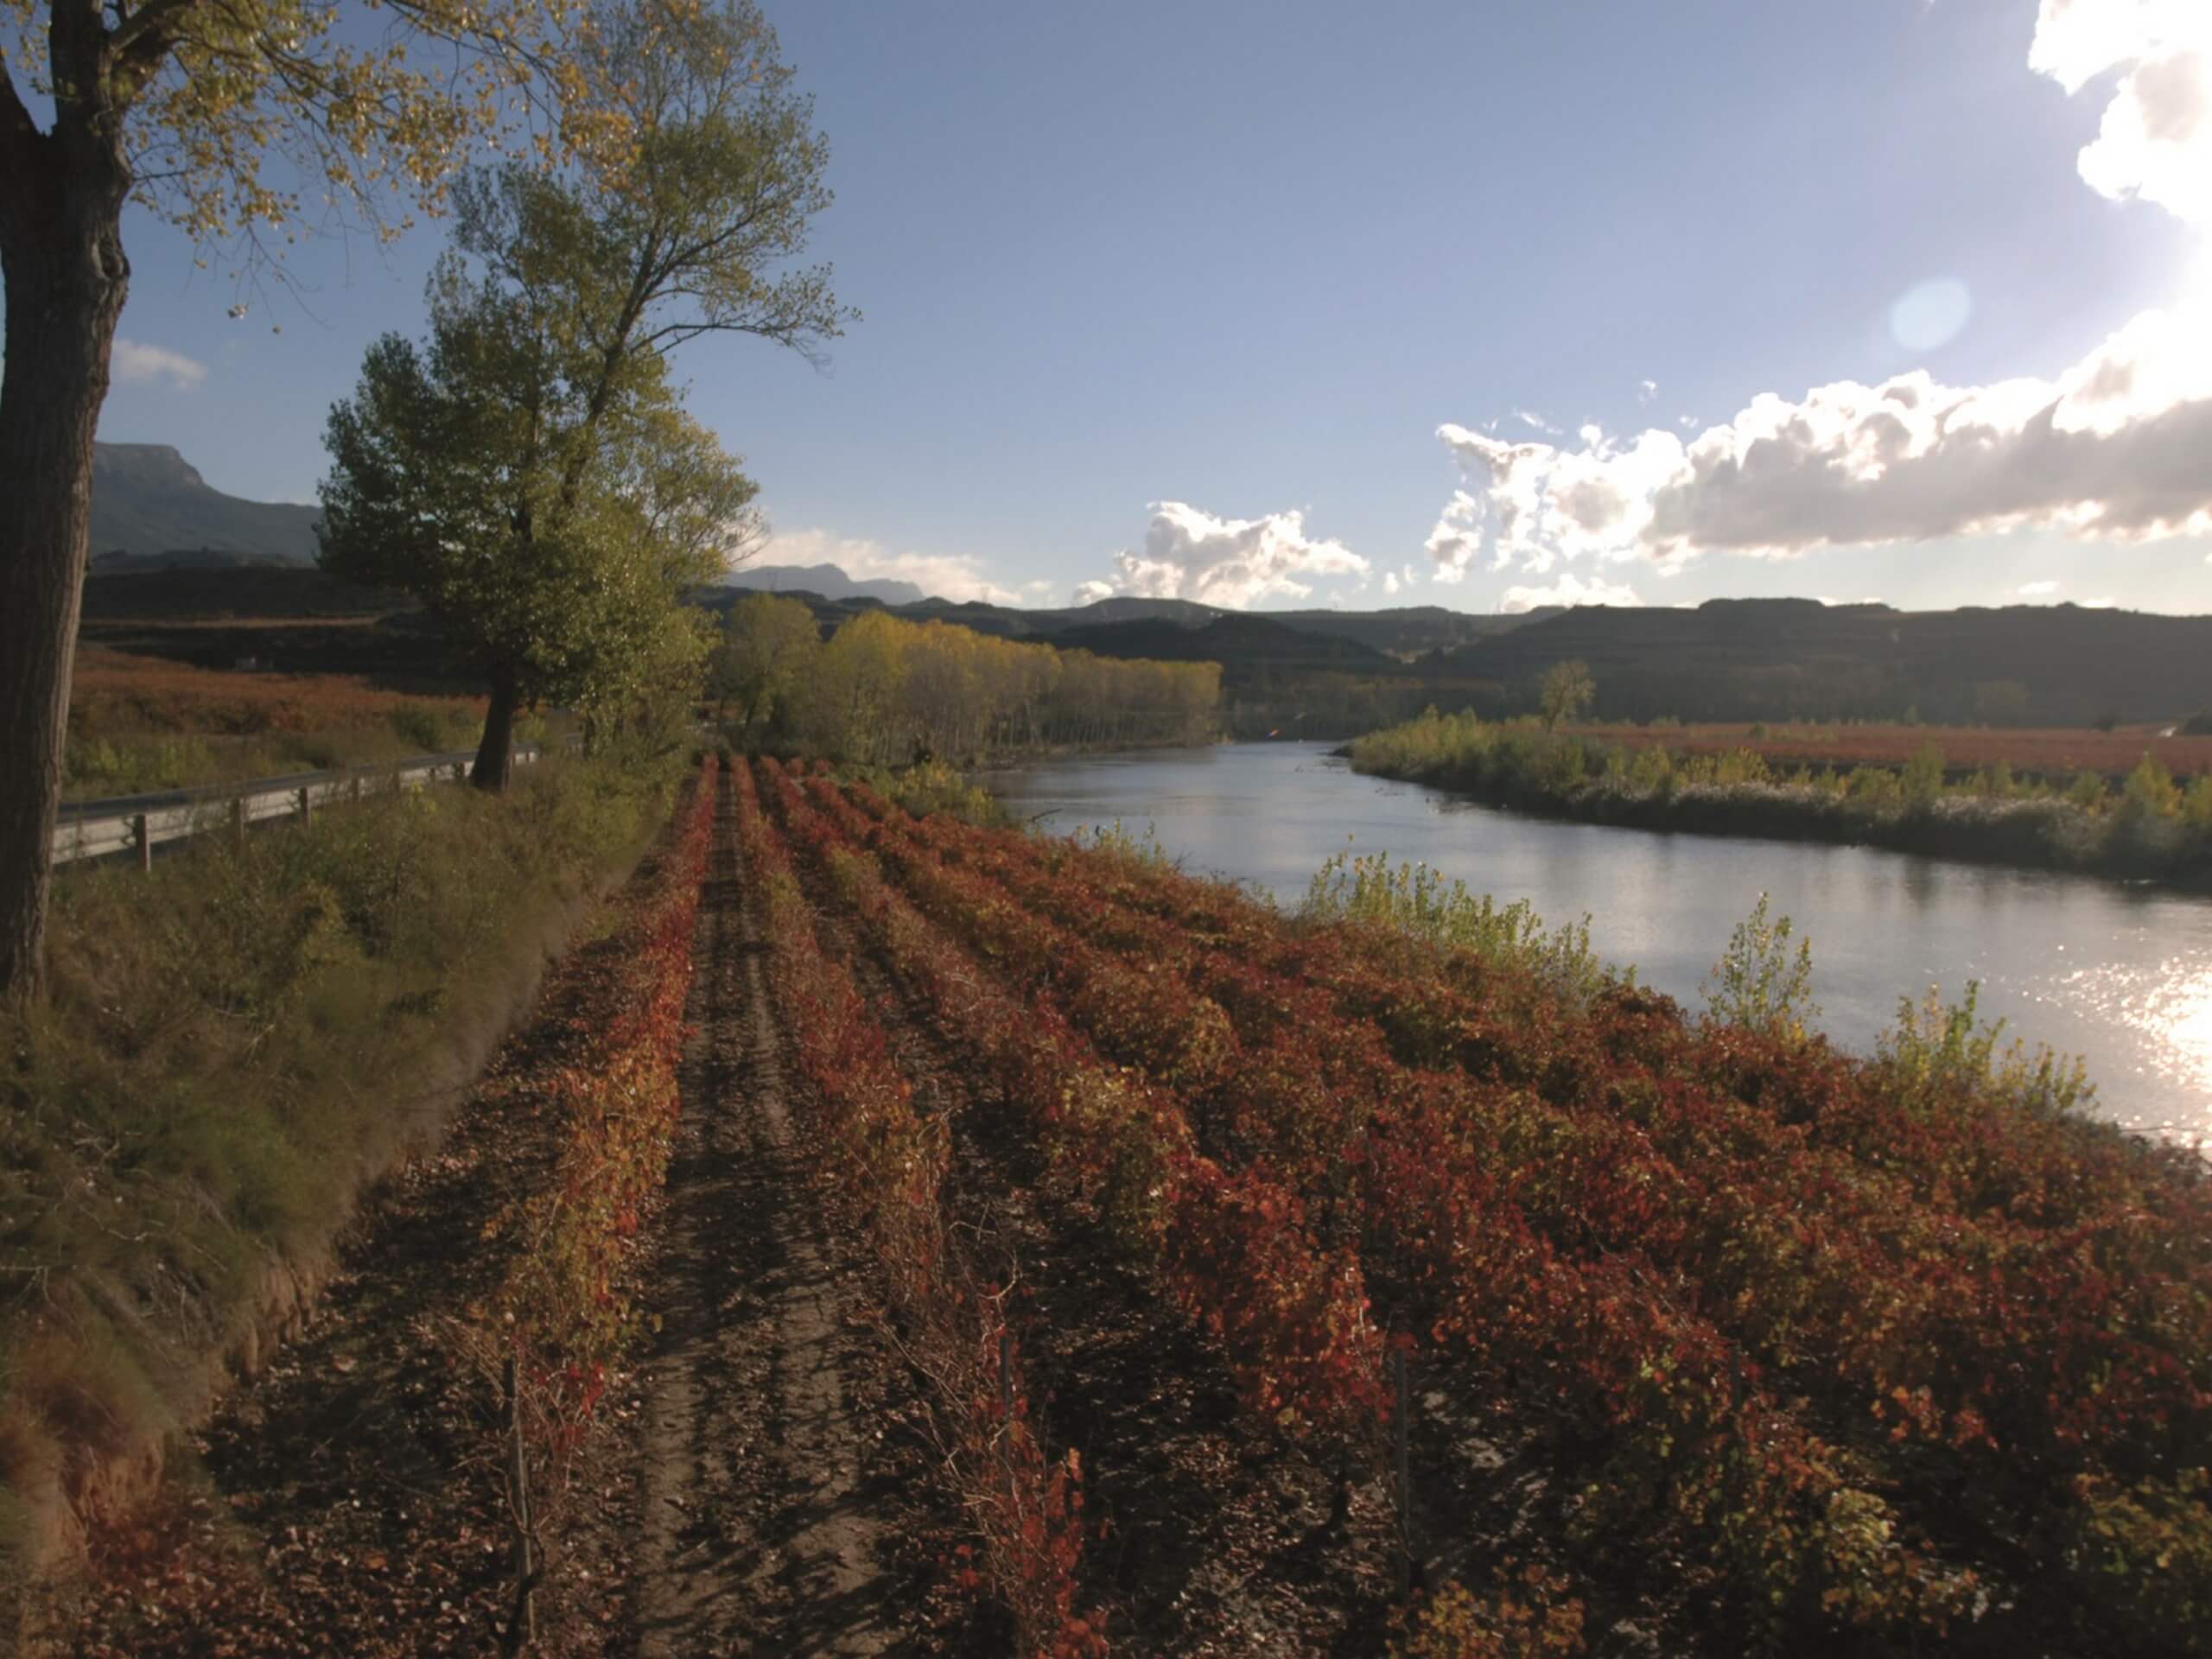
(522, 1630)
(1401, 1437)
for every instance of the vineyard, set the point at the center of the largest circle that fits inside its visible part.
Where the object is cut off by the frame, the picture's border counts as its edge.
(896, 1234)
(1528, 1306)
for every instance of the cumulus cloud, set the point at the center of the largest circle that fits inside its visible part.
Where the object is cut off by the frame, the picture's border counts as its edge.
(948, 575)
(136, 362)
(2155, 140)
(1191, 554)
(1646, 390)
(1389, 581)
(2113, 448)
(1090, 593)
(2038, 589)
(1569, 589)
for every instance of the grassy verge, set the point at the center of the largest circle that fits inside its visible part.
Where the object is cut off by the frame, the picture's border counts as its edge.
(2151, 828)
(235, 1045)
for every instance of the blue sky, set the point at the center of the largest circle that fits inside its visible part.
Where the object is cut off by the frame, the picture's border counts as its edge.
(1178, 298)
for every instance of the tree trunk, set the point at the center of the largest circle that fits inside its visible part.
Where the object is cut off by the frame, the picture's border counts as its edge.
(61, 260)
(495, 755)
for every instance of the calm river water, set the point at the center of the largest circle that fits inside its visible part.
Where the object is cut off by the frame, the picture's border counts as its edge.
(2120, 975)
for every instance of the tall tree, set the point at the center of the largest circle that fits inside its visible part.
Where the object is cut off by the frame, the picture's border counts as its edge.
(553, 548)
(769, 644)
(231, 119)
(554, 320)
(1566, 693)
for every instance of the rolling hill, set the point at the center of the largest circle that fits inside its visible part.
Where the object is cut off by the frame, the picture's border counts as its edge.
(1770, 659)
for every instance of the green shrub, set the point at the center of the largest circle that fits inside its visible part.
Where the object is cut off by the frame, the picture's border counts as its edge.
(2197, 805)
(1114, 841)
(1921, 783)
(1759, 982)
(933, 786)
(1937, 1047)
(1416, 899)
(2149, 793)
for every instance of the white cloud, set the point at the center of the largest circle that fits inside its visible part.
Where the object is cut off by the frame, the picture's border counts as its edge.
(2110, 449)
(1191, 554)
(1529, 417)
(2155, 142)
(2113, 448)
(2104, 604)
(1090, 593)
(1646, 390)
(1569, 589)
(956, 576)
(138, 362)
(2038, 589)
(1389, 581)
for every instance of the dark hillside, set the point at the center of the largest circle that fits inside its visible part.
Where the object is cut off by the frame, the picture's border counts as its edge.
(287, 619)
(1749, 659)
(1233, 640)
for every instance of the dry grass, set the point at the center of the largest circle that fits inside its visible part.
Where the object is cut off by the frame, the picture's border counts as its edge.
(234, 1044)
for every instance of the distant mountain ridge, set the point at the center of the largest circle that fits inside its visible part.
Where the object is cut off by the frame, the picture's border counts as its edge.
(1404, 633)
(151, 509)
(829, 581)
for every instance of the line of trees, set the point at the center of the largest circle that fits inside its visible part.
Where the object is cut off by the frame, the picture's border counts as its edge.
(528, 472)
(882, 690)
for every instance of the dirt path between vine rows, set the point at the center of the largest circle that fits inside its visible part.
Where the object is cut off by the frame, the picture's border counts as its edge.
(769, 1501)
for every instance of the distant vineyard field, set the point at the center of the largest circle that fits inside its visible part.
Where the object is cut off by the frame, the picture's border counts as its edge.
(139, 723)
(2041, 751)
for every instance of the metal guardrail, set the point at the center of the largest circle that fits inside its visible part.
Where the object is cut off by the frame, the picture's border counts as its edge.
(138, 823)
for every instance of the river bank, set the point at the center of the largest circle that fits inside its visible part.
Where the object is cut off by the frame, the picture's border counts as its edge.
(2151, 830)
(2118, 973)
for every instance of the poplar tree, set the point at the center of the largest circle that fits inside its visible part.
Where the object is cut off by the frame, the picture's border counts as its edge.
(239, 122)
(530, 477)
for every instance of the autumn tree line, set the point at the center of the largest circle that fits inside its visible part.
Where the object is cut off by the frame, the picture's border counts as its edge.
(882, 690)
(622, 179)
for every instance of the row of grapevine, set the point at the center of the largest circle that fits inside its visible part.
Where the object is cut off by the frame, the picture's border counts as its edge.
(1652, 1158)
(563, 1308)
(889, 1163)
(2065, 1389)
(1231, 1249)
(1703, 1459)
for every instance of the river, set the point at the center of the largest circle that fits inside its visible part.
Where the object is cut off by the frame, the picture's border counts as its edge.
(2119, 974)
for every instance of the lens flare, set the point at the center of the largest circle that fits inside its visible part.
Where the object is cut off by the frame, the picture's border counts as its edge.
(1931, 313)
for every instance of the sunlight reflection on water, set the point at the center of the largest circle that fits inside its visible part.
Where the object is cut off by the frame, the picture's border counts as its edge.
(2169, 1005)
